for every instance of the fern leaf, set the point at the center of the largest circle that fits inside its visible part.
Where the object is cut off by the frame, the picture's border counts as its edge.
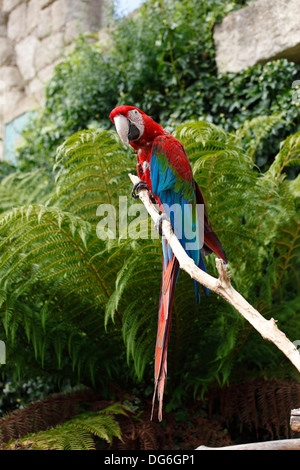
(289, 154)
(91, 168)
(19, 189)
(77, 433)
(251, 132)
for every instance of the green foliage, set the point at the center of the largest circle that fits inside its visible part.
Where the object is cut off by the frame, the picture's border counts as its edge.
(5, 169)
(78, 433)
(257, 91)
(20, 188)
(69, 300)
(162, 60)
(15, 394)
(52, 294)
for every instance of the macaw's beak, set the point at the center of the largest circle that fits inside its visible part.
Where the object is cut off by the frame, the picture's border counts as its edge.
(133, 133)
(126, 129)
(122, 128)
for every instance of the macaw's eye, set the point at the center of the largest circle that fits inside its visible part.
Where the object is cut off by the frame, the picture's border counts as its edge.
(133, 132)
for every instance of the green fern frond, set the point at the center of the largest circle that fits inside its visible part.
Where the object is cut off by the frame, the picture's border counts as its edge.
(202, 132)
(294, 187)
(251, 132)
(91, 169)
(78, 433)
(19, 189)
(289, 154)
(48, 247)
(288, 249)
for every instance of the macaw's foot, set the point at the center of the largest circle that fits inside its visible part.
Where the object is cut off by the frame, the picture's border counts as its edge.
(142, 185)
(137, 187)
(158, 223)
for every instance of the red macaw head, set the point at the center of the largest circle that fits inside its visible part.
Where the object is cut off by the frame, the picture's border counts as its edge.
(134, 126)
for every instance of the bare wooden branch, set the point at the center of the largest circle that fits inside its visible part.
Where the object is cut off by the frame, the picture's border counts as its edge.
(295, 420)
(284, 444)
(222, 286)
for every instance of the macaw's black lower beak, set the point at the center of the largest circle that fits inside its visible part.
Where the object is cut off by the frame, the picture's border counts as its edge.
(133, 132)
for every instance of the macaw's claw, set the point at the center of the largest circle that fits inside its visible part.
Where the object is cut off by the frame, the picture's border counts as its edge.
(141, 185)
(158, 223)
(152, 198)
(137, 187)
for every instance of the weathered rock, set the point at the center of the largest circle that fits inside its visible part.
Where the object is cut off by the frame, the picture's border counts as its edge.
(7, 54)
(46, 3)
(9, 5)
(32, 15)
(33, 38)
(72, 30)
(36, 89)
(16, 25)
(44, 28)
(11, 102)
(46, 73)
(3, 90)
(59, 11)
(263, 31)
(25, 54)
(3, 23)
(12, 77)
(48, 50)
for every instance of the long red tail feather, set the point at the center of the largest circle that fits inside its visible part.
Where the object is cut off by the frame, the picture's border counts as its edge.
(168, 283)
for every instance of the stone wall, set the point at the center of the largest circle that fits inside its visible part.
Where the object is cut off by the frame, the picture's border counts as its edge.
(265, 30)
(33, 35)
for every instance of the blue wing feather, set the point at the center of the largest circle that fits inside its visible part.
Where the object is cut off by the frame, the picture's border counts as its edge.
(179, 210)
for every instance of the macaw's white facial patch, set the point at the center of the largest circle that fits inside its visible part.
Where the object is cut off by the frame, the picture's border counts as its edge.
(122, 127)
(137, 119)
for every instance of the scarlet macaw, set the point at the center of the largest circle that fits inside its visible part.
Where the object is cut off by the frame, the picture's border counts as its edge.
(164, 169)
